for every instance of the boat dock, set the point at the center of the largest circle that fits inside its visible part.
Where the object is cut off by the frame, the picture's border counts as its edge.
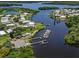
(39, 42)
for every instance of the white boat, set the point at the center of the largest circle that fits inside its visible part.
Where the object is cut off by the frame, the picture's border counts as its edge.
(46, 34)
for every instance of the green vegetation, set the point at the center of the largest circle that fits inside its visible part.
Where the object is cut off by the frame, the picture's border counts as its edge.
(71, 8)
(23, 1)
(48, 8)
(7, 4)
(24, 52)
(28, 16)
(40, 26)
(21, 30)
(2, 26)
(63, 2)
(4, 51)
(20, 10)
(72, 37)
(51, 15)
(72, 22)
(57, 18)
(3, 39)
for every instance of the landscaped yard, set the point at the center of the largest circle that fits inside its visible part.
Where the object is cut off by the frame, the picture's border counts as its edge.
(24, 52)
(4, 39)
(28, 16)
(4, 51)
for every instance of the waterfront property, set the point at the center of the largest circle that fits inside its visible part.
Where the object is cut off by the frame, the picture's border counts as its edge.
(17, 30)
(63, 14)
(71, 18)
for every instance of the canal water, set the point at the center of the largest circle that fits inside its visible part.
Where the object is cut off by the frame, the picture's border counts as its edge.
(56, 46)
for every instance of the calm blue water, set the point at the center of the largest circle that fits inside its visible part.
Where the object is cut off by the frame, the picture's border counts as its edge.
(56, 46)
(11, 12)
(37, 5)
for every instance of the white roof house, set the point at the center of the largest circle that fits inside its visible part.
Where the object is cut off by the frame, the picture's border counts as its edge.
(32, 24)
(25, 26)
(22, 18)
(57, 11)
(8, 15)
(9, 30)
(26, 21)
(29, 23)
(62, 16)
(25, 13)
(10, 24)
(5, 20)
(2, 33)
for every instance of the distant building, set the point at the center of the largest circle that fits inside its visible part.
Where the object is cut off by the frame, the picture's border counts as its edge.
(25, 13)
(62, 16)
(8, 15)
(57, 11)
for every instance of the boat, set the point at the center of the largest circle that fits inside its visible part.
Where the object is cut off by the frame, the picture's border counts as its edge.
(46, 34)
(44, 42)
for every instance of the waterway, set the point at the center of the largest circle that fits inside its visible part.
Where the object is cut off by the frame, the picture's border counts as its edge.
(56, 46)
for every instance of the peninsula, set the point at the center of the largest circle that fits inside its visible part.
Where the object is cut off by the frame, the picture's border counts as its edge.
(16, 32)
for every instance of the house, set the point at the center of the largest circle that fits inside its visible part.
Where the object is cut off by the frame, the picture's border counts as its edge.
(9, 30)
(25, 13)
(10, 25)
(2, 33)
(25, 26)
(8, 15)
(62, 17)
(28, 23)
(57, 11)
(5, 20)
(27, 35)
(22, 18)
(32, 24)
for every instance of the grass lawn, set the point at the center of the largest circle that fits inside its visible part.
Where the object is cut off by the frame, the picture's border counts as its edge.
(27, 17)
(38, 26)
(24, 52)
(4, 51)
(3, 39)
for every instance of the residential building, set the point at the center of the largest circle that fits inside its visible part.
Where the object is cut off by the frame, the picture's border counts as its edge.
(2, 32)
(5, 20)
